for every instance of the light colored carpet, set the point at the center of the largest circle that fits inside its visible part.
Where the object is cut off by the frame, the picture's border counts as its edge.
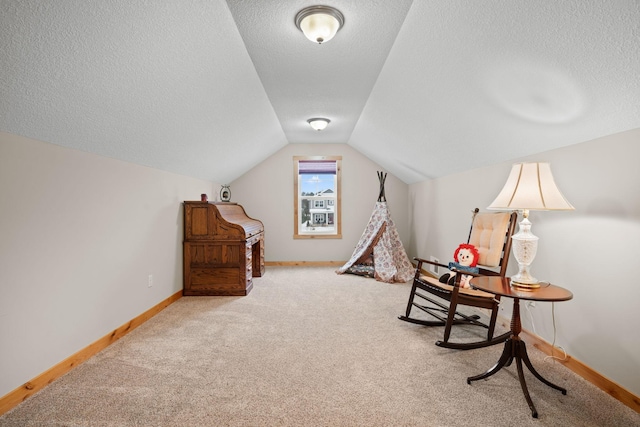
(306, 347)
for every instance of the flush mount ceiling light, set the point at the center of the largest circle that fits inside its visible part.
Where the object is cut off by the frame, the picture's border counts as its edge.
(318, 123)
(319, 23)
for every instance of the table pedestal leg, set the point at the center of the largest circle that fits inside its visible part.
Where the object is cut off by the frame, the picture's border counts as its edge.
(515, 348)
(525, 359)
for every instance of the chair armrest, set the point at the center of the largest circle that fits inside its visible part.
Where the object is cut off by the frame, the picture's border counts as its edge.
(485, 272)
(466, 273)
(425, 261)
(481, 273)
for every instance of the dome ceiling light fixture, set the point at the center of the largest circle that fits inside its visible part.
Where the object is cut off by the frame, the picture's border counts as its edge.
(319, 23)
(318, 123)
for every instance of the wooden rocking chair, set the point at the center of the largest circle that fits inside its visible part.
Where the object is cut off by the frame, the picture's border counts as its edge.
(491, 234)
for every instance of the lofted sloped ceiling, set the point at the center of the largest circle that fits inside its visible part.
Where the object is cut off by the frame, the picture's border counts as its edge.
(424, 88)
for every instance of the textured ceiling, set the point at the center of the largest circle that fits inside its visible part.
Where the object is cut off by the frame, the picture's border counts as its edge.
(424, 88)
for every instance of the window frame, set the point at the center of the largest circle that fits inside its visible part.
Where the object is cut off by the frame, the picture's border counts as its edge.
(298, 232)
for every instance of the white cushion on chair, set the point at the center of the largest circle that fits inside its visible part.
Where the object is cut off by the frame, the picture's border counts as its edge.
(488, 235)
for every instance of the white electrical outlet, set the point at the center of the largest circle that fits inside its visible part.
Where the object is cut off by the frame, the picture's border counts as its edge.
(150, 282)
(433, 268)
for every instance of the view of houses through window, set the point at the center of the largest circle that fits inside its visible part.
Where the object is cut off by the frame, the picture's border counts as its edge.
(317, 196)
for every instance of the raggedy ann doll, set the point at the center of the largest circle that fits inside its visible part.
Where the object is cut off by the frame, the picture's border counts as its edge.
(466, 258)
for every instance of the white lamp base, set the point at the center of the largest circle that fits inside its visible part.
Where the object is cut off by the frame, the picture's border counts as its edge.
(525, 246)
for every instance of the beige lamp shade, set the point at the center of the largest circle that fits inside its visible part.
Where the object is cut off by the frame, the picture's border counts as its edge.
(530, 186)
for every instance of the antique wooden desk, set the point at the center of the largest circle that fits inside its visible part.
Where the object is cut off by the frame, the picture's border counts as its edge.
(514, 347)
(223, 249)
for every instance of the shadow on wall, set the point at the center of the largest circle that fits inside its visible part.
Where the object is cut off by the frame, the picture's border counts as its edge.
(424, 221)
(606, 207)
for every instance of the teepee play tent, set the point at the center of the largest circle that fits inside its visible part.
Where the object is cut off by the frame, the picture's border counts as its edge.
(380, 253)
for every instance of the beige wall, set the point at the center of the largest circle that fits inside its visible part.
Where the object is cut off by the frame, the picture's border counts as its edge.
(80, 234)
(266, 193)
(592, 251)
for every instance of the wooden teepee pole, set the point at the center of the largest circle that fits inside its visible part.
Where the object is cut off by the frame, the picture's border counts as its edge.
(382, 177)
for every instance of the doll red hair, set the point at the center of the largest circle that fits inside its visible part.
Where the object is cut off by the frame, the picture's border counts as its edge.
(470, 248)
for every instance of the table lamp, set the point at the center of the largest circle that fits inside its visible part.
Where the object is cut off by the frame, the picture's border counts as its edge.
(530, 186)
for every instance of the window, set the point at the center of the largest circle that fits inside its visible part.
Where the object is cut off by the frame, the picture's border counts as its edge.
(317, 197)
